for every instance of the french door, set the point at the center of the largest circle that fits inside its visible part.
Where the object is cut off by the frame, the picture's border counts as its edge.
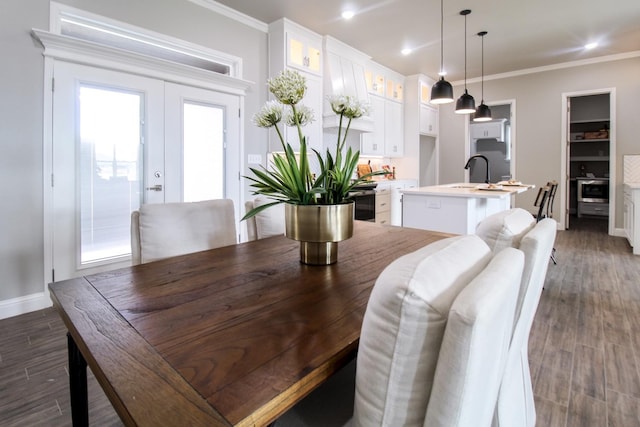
(120, 140)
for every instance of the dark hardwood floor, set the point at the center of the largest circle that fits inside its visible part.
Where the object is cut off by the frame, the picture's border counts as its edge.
(584, 346)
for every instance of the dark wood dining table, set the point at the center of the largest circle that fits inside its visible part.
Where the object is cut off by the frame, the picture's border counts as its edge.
(232, 336)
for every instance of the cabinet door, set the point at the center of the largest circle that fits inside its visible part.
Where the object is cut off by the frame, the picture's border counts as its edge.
(428, 120)
(375, 82)
(303, 54)
(373, 142)
(393, 129)
(487, 130)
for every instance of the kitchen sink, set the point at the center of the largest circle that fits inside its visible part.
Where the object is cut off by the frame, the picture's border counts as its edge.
(461, 186)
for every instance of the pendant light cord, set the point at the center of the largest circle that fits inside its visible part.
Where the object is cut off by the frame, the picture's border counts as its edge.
(465, 52)
(441, 37)
(482, 68)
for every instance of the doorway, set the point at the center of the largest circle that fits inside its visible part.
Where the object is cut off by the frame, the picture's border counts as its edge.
(495, 140)
(588, 163)
(121, 140)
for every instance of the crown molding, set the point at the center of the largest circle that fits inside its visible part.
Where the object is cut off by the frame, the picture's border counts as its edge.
(233, 14)
(545, 68)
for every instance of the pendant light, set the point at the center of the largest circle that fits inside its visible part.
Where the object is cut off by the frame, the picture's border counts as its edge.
(442, 91)
(483, 112)
(465, 104)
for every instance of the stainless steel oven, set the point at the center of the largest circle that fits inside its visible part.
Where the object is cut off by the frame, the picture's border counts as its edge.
(364, 196)
(593, 190)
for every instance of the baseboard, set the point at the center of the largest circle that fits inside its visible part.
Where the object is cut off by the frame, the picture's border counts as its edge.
(26, 304)
(619, 232)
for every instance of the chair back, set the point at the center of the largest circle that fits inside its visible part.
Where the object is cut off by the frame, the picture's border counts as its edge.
(515, 402)
(474, 347)
(505, 229)
(403, 327)
(170, 229)
(266, 223)
(541, 202)
(553, 187)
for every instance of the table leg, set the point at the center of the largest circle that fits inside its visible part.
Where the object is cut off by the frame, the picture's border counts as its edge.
(78, 385)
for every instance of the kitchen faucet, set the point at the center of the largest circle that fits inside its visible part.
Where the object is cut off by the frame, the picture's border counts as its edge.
(486, 161)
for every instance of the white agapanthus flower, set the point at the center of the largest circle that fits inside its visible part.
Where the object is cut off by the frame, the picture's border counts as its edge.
(269, 115)
(288, 87)
(348, 106)
(303, 114)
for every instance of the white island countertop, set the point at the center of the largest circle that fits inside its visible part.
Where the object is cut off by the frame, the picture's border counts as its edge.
(469, 189)
(455, 208)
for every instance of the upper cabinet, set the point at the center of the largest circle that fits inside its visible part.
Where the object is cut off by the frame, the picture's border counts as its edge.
(494, 129)
(304, 53)
(294, 47)
(386, 88)
(384, 82)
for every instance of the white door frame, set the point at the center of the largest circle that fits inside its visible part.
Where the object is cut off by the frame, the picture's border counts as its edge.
(564, 169)
(512, 120)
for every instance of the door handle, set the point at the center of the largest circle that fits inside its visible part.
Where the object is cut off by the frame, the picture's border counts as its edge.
(157, 187)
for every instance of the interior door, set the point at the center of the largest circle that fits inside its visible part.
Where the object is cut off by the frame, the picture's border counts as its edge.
(121, 140)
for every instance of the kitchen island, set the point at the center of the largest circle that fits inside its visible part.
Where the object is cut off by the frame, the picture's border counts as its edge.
(455, 208)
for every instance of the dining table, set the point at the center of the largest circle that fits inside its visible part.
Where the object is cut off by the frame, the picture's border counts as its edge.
(232, 336)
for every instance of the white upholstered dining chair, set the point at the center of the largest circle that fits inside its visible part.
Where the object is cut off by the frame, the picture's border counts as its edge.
(402, 332)
(515, 405)
(170, 229)
(266, 223)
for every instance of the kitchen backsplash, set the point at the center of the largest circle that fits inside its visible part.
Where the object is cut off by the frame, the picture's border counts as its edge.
(631, 168)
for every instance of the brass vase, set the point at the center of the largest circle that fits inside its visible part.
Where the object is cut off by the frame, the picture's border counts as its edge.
(319, 228)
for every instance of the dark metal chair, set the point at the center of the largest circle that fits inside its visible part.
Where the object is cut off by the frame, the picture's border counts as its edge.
(544, 203)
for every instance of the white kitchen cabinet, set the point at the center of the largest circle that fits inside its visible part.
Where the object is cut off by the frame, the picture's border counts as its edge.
(383, 205)
(493, 129)
(631, 216)
(375, 81)
(382, 81)
(428, 120)
(393, 129)
(372, 143)
(295, 47)
(394, 189)
(304, 52)
(387, 138)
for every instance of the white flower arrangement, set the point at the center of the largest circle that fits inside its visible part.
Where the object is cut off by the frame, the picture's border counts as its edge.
(291, 180)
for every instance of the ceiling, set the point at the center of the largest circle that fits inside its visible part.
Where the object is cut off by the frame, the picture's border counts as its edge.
(522, 34)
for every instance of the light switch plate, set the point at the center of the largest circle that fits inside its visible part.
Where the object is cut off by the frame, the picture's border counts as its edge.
(254, 159)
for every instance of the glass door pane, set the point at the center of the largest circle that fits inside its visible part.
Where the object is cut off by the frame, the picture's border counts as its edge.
(203, 152)
(110, 170)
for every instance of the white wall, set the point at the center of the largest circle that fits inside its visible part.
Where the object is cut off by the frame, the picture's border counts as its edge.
(21, 114)
(539, 122)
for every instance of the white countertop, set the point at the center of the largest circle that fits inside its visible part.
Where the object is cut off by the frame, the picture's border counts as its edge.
(469, 190)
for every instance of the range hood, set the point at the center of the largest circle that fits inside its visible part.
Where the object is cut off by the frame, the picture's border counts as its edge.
(344, 75)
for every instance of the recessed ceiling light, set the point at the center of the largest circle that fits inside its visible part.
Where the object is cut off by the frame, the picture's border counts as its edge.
(348, 14)
(591, 45)
(406, 51)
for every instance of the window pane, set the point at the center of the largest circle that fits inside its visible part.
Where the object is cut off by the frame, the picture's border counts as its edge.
(203, 152)
(110, 171)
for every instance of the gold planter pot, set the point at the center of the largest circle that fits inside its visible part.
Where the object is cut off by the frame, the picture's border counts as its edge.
(319, 228)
